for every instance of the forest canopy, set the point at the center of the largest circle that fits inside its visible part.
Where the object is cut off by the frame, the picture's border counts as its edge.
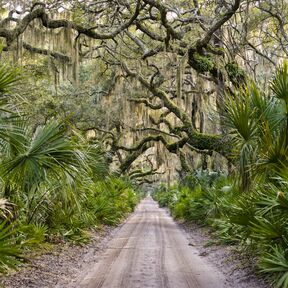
(168, 65)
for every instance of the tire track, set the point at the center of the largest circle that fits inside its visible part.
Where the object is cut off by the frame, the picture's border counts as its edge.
(150, 251)
(111, 255)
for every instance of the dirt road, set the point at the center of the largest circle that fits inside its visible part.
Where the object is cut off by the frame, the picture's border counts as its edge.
(151, 251)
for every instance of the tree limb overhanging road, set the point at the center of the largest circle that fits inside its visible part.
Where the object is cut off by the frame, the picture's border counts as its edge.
(151, 251)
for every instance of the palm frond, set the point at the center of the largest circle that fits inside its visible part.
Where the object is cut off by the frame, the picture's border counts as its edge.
(239, 117)
(8, 78)
(10, 253)
(49, 150)
(279, 84)
(275, 262)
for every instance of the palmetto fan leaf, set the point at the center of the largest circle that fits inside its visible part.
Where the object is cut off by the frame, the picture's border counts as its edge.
(275, 114)
(47, 151)
(96, 161)
(10, 254)
(276, 262)
(258, 102)
(242, 119)
(11, 126)
(279, 85)
(274, 151)
(12, 136)
(259, 127)
(239, 117)
(8, 78)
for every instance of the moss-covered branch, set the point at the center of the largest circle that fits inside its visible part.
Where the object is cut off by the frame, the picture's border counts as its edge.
(127, 162)
(184, 165)
(57, 55)
(202, 43)
(39, 12)
(147, 103)
(200, 141)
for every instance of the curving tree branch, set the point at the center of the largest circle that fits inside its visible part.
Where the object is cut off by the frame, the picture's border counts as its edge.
(39, 12)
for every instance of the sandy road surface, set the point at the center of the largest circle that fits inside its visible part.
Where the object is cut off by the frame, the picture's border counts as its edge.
(151, 251)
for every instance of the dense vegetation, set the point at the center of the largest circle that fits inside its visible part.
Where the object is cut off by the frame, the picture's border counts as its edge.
(249, 208)
(256, 220)
(55, 184)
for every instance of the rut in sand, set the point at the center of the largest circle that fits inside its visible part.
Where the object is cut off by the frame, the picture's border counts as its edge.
(151, 251)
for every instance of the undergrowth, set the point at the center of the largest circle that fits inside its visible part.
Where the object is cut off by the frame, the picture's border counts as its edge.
(256, 220)
(55, 184)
